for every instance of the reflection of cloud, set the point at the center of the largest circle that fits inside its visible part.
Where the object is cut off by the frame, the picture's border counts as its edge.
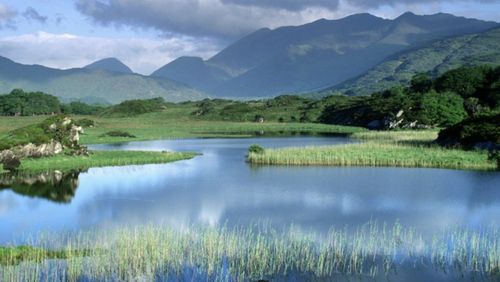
(8, 202)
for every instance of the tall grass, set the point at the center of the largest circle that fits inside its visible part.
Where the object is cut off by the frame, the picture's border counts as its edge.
(255, 252)
(376, 154)
(101, 158)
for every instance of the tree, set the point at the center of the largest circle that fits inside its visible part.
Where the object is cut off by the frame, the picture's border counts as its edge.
(421, 83)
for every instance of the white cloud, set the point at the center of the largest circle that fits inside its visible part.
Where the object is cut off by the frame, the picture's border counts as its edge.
(68, 50)
(215, 18)
(230, 19)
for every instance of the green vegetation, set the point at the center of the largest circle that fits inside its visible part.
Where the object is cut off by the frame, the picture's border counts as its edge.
(80, 108)
(100, 159)
(376, 154)
(11, 256)
(482, 130)
(39, 133)
(380, 148)
(434, 59)
(135, 107)
(20, 103)
(256, 252)
(117, 133)
(447, 100)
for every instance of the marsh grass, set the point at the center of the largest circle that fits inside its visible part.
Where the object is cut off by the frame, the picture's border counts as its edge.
(255, 252)
(408, 137)
(376, 154)
(101, 158)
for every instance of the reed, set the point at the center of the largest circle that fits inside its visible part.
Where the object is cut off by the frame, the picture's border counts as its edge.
(199, 253)
(376, 154)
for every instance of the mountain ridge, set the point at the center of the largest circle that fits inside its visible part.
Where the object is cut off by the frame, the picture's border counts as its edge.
(82, 83)
(295, 59)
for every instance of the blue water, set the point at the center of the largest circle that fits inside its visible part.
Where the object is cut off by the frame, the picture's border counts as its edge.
(219, 187)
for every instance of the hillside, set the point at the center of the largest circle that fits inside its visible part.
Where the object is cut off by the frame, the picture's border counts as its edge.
(437, 58)
(313, 56)
(87, 84)
(110, 64)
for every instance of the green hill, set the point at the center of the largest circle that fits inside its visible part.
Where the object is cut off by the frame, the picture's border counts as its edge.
(80, 84)
(435, 59)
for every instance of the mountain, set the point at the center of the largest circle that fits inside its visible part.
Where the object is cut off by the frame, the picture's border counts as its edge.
(110, 64)
(193, 70)
(88, 84)
(436, 58)
(313, 56)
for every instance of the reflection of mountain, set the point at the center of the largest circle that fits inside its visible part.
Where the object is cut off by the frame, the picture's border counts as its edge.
(54, 186)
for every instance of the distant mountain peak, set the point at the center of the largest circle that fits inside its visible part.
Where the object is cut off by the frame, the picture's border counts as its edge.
(110, 64)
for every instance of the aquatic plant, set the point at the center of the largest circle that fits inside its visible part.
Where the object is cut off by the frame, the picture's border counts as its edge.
(254, 252)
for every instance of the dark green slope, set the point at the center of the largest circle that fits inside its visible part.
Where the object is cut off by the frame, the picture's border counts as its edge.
(317, 55)
(436, 58)
(78, 84)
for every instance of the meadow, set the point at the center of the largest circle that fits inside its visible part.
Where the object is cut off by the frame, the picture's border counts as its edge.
(250, 253)
(393, 148)
(175, 123)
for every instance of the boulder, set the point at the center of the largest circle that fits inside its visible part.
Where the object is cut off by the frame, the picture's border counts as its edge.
(75, 134)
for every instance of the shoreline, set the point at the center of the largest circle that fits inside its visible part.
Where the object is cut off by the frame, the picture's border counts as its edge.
(100, 159)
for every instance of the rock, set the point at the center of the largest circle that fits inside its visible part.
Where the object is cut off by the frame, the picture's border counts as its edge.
(75, 134)
(11, 163)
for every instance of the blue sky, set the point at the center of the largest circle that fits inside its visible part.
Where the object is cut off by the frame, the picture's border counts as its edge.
(150, 33)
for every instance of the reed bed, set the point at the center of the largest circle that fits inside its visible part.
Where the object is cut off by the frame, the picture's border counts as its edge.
(100, 159)
(398, 136)
(376, 154)
(160, 253)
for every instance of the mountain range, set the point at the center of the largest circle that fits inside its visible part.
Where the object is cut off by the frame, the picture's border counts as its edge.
(313, 56)
(356, 55)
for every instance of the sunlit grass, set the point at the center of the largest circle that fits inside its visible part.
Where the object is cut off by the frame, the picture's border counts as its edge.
(101, 158)
(254, 252)
(376, 154)
(175, 124)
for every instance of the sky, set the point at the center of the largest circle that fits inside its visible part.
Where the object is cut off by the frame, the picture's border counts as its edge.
(147, 34)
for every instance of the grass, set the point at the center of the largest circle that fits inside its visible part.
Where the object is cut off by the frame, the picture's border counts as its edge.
(100, 159)
(396, 149)
(152, 253)
(175, 123)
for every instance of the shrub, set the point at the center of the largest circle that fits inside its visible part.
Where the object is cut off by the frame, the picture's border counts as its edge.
(256, 149)
(117, 133)
(85, 122)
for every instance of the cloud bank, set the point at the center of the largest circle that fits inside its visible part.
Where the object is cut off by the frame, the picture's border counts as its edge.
(68, 50)
(230, 19)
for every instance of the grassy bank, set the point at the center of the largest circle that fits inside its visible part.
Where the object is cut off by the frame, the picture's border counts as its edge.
(174, 123)
(257, 252)
(396, 149)
(100, 159)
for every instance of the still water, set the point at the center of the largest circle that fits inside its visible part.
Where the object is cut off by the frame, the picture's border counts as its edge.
(218, 187)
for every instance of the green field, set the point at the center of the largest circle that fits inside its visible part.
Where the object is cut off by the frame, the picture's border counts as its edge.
(250, 253)
(396, 149)
(100, 159)
(174, 123)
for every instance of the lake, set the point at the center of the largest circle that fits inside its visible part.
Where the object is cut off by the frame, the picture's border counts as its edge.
(219, 187)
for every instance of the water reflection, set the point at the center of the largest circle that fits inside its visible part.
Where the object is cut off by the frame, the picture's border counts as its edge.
(219, 187)
(54, 186)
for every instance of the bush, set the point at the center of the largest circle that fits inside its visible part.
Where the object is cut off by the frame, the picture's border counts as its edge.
(85, 122)
(117, 133)
(256, 149)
